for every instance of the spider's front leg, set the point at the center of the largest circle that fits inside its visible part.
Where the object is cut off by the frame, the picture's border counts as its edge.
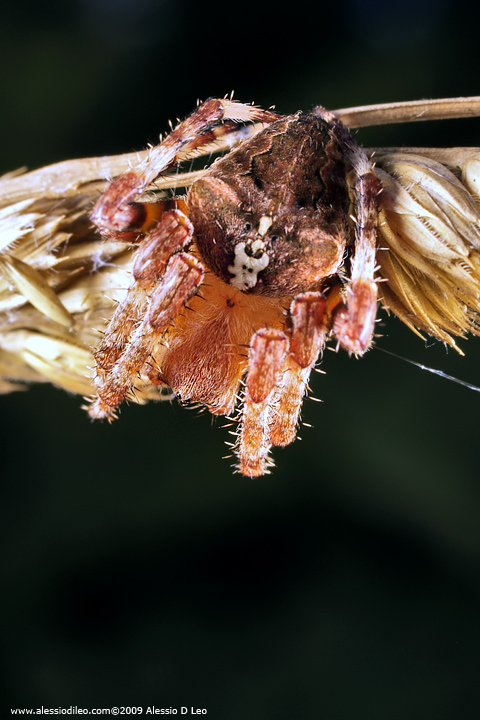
(115, 213)
(277, 377)
(307, 340)
(165, 278)
(268, 350)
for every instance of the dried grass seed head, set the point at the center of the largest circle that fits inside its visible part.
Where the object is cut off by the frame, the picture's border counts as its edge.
(61, 282)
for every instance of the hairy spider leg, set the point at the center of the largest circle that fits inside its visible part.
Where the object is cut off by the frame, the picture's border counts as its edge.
(109, 213)
(127, 342)
(170, 236)
(182, 278)
(307, 340)
(353, 319)
(277, 378)
(268, 350)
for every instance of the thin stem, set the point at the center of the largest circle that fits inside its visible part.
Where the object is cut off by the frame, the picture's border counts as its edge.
(413, 111)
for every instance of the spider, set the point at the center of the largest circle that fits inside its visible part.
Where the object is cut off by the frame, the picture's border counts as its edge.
(238, 284)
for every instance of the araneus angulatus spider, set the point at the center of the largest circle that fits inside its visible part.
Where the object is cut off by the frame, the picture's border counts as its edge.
(261, 253)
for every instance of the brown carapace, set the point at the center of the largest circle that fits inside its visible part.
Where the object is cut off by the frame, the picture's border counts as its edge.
(237, 285)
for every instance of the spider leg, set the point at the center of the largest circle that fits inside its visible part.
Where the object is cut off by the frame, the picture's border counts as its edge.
(199, 128)
(171, 235)
(278, 370)
(268, 349)
(353, 320)
(182, 278)
(170, 277)
(307, 314)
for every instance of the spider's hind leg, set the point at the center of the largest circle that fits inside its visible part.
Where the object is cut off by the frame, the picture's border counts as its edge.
(353, 320)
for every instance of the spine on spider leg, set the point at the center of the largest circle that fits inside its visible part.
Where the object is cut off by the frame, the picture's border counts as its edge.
(267, 354)
(307, 313)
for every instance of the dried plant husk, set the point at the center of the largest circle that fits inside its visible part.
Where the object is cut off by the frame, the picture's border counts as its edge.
(60, 281)
(429, 240)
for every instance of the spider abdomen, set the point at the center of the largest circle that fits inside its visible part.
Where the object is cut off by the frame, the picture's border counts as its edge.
(271, 217)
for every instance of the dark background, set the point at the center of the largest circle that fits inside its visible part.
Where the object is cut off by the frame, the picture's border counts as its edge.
(136, 568)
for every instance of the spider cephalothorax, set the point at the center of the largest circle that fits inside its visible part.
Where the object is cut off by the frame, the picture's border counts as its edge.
(243, 279)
